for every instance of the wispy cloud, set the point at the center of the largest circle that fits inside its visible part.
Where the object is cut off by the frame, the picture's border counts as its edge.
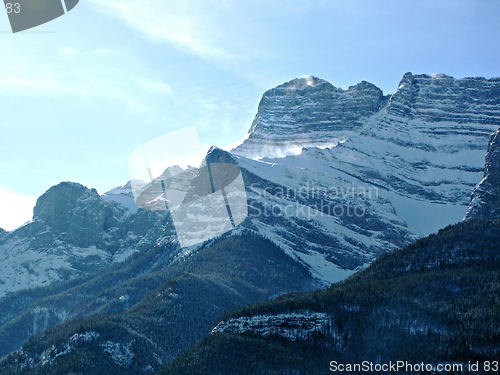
(155, 87)
(188, 24)
(216, 30)
(245, 37)
(91, 74)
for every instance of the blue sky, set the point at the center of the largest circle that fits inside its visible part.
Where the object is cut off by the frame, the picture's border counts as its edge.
(79, 94)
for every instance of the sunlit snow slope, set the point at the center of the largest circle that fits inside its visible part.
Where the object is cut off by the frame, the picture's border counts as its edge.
(409, 162)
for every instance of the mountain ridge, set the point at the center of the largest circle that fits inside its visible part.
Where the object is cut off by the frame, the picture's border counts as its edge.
(432, 302)
(157, 304)
(405, 150)
(295, 108)
(408, 170)
(422, 148)
(74, 230)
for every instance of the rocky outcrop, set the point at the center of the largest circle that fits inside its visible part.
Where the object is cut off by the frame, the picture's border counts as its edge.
(436, 98)
(485, 201)
(291, 326)
(395, 168)
(74, 231)
(309, 112)
(55, 206)
(80, 213)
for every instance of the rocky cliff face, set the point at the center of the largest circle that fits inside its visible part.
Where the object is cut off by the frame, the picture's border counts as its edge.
(312, 112)
(407, 165)
(429, 141)
(74, 231)
(441, 97)
(78, 213)
(485, 202)
(309, 112)
(396, 167)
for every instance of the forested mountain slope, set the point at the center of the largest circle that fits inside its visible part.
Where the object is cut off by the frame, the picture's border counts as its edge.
(435, 301)
(141, 323)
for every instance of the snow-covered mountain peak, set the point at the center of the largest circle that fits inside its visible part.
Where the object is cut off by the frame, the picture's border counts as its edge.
(124, 195)
(125, 189)
(419, 151)
(370, 173)
(174, 170)
(74, 230)
(218, 155)
(308, 112)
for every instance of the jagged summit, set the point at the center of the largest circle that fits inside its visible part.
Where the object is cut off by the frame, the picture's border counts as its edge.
(75, 213)
(311, 112)
(74, 231)
(218, 155)
(308, 112)
(313, 83)
(124, 194)
(55, 206)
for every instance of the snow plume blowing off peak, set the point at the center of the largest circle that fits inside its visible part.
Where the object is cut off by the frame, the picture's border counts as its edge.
(308, 112)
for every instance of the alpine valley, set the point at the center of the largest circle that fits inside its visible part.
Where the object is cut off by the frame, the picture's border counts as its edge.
(336, 181)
